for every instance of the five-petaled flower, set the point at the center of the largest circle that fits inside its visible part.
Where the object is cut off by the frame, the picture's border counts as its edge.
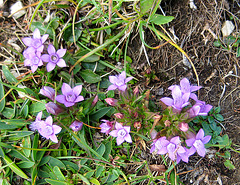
(32, 58)
(121, 133)
(46, 128)
(76, 126)
(70, 96)
(36, 42)
(179, 100)
(187, 88)
(119, 82)
(197, 143)
(54, 58)
(106, 126)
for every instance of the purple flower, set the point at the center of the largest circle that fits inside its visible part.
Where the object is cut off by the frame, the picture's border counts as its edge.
(37, 123)
(70, 96)
(174, 148)
(160, 145)
(183, 126)
(76, 126)
(187, 88)
(95, 100)
(36, 42)
(48, 130)
(184, 156)
(48, 92)
(199, 109)
(119, 82)
(53, 108)
(179, 100)
(54, 58)
(33, 59)
(197, 143)
(106, 126)
(122, 133)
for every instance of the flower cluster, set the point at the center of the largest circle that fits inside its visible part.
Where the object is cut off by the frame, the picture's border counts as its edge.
(33, 54)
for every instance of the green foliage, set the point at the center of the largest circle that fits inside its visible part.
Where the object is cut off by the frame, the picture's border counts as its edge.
(230, 43)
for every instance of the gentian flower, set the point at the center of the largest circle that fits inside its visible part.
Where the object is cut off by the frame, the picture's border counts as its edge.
(106, 126)
(36, 42)
(174, 148)
(111, 101)
(119, 82)
(76, 126)
(33, 59)
(53, 108)
(199, 109)
(70, 96)
(179, 100)
(122, 133)
(95, 100)
(48, 130)
(37, 123)
(54, 58)
(185, 156)
(160, 145)
(197, 143)
(48, 92)
(187, 88)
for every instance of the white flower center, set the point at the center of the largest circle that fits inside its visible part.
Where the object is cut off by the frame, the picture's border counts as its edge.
(71, 97)
(35, 60)
(54, 58)
(122, 133)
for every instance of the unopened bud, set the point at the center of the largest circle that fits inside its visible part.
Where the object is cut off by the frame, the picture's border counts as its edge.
(183, 127)
(137, 125)
(135, 114)
(76, 126)
(111, 101)
(53, 108)
(95, 100)
(136, 91)
(48, 92)
(119, 115)
(167, 123)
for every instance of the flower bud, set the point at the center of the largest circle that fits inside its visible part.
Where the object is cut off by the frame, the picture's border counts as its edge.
(183, 126)
(48, 92)
(135, 115)
(76, 126)
(136, 91)
(153, 134)
(95, 100)
(167, 123)
(137, 125)
(119, 115)
(111, 101)
(53, 108)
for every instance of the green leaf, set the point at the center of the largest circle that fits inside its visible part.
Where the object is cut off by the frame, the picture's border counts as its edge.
(100, 113)
(238, 52)
(89, 76)
(213, 125)
(55, 162)
(4, 126)
(8, 75)
(68, 34)
(146, 5)
(2, 154)
(54, 182)
(25, 164)
(15, 168)
(37, 107)
(71, 166)
(229, 165)
(58, 173)
(210, 119)
(19, 134)
(89, 174)
(100, 150)
(161, 19)
(99, 171)
(26, 142)
(219, 117)
(108, 149)
(217, 43)
(217, 110)
(35, 145)
(94, 181)
(15, 122)
(84, 179)
(8, 112)
(2, 93)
